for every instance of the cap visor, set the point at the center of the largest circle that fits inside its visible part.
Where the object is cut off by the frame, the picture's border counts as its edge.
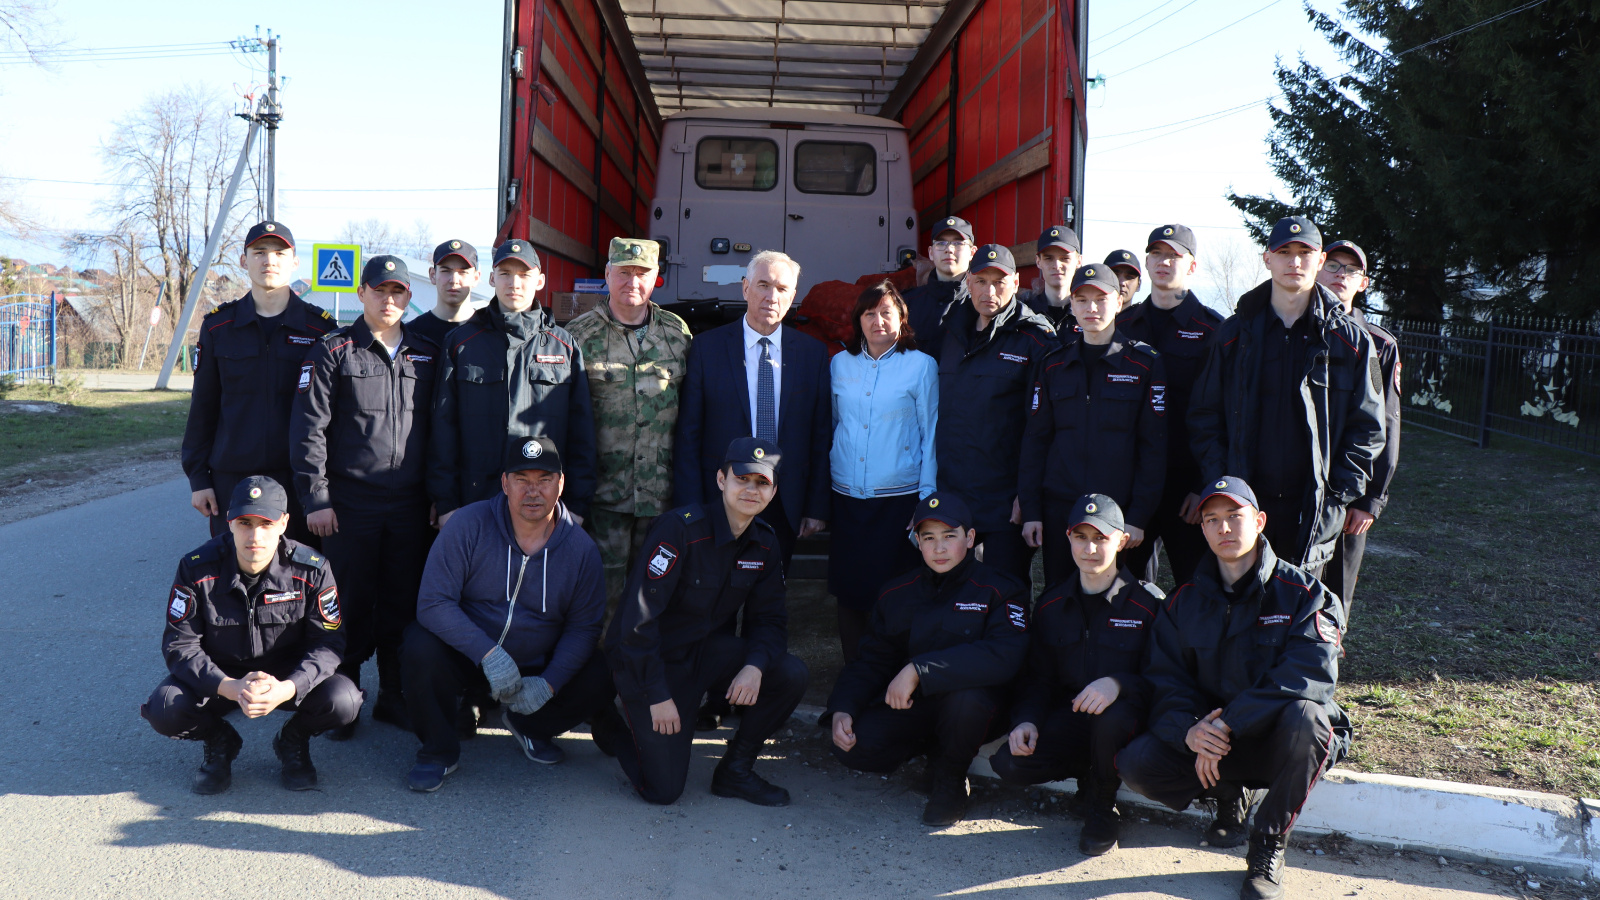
(935, 517)
(403, 283)
(461, 256)
(1171, 244)
(263, 237)
(1242, 501)
(754, 468)
(1104, 526)
(1294, 240)
(256, 509)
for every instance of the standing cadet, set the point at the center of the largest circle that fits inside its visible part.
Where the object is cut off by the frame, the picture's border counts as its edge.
(509, 370)
(986, 369)
(251, 353)
(1287, 343)
(1082, 699)
(951, 250)
(1056, 254)
(1243, 664)
(1097, 424)
(252, 624)
(1126, 266)
(454, 274)
(945, 640)
(1174, 321)
(359, 433)
(1345, 274)
(635, 354)
(701, 565)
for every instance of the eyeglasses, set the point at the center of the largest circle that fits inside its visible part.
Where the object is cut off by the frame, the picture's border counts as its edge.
(1338, 268)
(946, 245)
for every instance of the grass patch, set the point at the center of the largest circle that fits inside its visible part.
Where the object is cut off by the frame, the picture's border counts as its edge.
(83, 421)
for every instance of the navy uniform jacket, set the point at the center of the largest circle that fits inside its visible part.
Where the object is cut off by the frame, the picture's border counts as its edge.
(926, 308)
(244, 386)
(1072, 644)
(1183, 337)
(1104, 433)
(361, 420)
(967, 628)
(1377, 495)
(289, 626)
(693, 576)
(1059, 317)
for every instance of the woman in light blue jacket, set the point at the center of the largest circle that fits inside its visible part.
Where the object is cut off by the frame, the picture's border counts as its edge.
(885, 409)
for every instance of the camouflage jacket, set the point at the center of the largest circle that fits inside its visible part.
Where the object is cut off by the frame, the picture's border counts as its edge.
(634, 387)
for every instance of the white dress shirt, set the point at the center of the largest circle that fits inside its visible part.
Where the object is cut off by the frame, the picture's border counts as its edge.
(752, 371)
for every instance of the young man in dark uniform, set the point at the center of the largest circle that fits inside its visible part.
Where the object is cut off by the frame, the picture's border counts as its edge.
(1244, 661)
(253, 624)
(1126, 265)
(454, 274)
(1096, 424)
(1056, 256)
(1082, 698)
(251, 354)
(701, 566)
(359, 433)
(944, 642)
(928, 304)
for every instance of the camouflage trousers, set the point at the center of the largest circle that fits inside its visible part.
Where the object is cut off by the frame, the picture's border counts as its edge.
(620, 536)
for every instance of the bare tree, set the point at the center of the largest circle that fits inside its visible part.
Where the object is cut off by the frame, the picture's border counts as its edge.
(420, 241)
(1232, 267)
(28, 27)
(374, 235)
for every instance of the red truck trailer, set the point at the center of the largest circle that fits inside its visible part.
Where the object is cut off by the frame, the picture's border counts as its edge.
(990, 94)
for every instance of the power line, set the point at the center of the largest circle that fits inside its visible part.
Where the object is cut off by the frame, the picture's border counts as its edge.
(119, 54)
(1130, 22)
(1197, 40)
(321, 190)
(1452, 34)
(1146, 30)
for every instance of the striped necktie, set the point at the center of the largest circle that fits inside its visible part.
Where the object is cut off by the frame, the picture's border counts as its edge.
(766, 403)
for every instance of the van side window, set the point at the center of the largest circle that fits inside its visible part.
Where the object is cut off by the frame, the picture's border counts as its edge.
(825, 167)
(736, 164)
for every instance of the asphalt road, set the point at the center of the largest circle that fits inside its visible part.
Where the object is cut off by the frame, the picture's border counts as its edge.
(95, 804)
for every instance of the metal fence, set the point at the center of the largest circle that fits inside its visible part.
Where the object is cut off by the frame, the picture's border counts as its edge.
(27, 336)
(1536, 379)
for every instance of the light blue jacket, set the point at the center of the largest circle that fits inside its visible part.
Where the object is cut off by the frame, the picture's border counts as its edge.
(885, 412)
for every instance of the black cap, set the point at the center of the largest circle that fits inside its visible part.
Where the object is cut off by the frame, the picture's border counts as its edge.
(517, 248)
(1179, 237)
(269, 229)
(258, 495)
(1124, 258)
(1059, 236)
(942, 506)
(523, 452)
(753, 456)
(384, 269)
(1294, 228)
(1232, 487)
(1098, 274)
(1350, 248)
(1098, 510)
(953, 223)
(467, 252)
(993, 256)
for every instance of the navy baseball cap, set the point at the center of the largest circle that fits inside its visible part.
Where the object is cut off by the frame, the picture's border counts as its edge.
(1350, 248)
(384, 269)
(942, 506)
(258, 495)
(1059, 236)
(1234, 488)
(267, 229)
(1098, 510)
(993, 256)
(1289, 229)
(1124, 258)
(753, 456)
(524, 452)
(467, 252)
(517, 248)
(1099, 275)
(956, 224)
(1178, 237)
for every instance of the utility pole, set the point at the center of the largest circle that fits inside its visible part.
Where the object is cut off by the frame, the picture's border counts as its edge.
(270, 116)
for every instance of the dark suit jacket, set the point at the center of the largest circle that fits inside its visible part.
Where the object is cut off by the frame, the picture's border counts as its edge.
(714, 409)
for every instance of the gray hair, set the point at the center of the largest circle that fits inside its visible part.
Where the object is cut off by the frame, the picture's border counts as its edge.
(769, 257)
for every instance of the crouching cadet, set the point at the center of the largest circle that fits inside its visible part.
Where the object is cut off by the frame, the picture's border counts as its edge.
(1243, 666)
(253, 624)
(944, 642)
(1082, 699)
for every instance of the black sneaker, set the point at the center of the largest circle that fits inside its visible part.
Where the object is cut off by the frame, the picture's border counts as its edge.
(294, 751)
(541, 750)
(735, 777)
(216, 772)
(947, 799)
(390, 707)
(1233, 808)
(1263, 878)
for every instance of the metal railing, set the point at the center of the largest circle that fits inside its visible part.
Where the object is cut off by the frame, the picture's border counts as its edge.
(28, 336)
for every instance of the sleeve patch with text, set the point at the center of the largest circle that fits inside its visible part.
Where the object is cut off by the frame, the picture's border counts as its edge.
(182, 604)
(662, 561)
(328, 606)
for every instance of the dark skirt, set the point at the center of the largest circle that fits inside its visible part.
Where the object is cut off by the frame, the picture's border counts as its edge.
(868, 545)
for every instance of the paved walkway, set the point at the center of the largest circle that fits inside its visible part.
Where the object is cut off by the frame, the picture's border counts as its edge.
(123, 380)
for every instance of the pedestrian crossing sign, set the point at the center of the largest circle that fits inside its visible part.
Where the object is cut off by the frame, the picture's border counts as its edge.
(334, 267)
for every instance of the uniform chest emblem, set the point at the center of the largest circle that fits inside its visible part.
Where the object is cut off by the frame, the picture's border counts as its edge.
(752, 565)
(419, 359)
(972, 607)
(300, 340)
(1275, 619)
(1014, 357)
(662, 561)
(305, 378)
(181, 606)
(1018, 616)
(1122, 378)
(551, 360)
(1191, 335)
(1133, 624)
(280, 596)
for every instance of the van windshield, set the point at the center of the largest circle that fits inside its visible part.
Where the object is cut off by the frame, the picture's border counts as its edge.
(825, 167)
(736, 164)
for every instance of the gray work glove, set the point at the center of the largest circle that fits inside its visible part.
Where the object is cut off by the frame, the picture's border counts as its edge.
(501, 670)
(534, 694)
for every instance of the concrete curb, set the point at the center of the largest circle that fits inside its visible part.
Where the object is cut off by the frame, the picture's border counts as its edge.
(1546, 833)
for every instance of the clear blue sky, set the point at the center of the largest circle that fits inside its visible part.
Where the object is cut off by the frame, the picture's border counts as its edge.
(403, 99)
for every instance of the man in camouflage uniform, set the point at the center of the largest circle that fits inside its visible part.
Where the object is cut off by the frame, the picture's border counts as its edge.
(635, 354)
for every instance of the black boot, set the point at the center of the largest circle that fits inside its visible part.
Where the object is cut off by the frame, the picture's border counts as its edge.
(348, 730)
(216, 772)
(1233, 808)
(736, 776)
(608, 730)
(1101, 824)
(947, 796)
(293, 748)
(391, 703)
(1263, 878)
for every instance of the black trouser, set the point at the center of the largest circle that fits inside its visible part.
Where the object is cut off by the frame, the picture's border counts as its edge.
(1072, 745)
(1005, 549)
(1283, 532)
(378, 555)
(1185, 544)
(950, 727)
(178, 710)
(1287, 761)
(1344, 568)
(223, 483)
(436, 675)
(1057, 547)
(658, 764)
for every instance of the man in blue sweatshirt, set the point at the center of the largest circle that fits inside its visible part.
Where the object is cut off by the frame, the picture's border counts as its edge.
(511, 603)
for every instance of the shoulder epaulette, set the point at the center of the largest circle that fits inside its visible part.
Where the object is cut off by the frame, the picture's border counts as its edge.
(325, 314)
(1151, 588)
(670, 318)
(308, 557)
(210, 551)
(339, 332)
(226, 304)
(692, 513)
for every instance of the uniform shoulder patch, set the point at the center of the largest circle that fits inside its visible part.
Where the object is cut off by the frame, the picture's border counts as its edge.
(1017, 616)
(210, 551)
(692, 514)
(662, 559)
(328, 608)
(308, 557)
(325, 314)
(181, 604)
(226, 304)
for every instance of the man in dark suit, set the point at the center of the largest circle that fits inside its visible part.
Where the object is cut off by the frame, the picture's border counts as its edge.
(756, 378)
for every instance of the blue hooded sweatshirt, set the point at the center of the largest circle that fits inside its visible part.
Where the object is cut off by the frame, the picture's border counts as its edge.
(476, 569)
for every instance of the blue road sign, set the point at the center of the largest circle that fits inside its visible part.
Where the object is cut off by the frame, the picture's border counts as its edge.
(334, 267)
